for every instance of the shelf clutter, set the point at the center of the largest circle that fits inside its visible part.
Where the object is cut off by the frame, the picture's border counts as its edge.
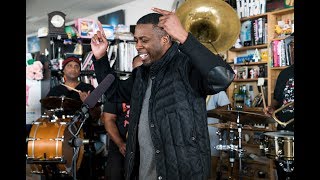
(265, 47)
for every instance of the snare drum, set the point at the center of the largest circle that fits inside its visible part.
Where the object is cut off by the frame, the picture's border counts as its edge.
(279, 145)
(48, 143)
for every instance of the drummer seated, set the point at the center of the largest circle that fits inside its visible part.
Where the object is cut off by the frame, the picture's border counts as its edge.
(72, 94)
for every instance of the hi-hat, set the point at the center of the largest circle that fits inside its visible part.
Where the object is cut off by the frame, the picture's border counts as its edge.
(65, 103)
(244, 117)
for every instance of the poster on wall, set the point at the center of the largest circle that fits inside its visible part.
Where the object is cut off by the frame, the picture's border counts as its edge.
(33, 44)
(33, 96)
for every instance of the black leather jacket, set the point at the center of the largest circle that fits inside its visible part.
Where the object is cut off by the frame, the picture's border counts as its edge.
(177, 111)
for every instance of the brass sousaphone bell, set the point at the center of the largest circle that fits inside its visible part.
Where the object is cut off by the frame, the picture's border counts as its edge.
(213, 22)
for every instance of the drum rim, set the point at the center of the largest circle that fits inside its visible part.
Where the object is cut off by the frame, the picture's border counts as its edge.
(281, 133)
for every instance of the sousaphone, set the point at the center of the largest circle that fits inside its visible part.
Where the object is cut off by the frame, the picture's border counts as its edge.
(213, 22)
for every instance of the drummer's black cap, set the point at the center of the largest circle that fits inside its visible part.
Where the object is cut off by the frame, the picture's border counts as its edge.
(69, 59)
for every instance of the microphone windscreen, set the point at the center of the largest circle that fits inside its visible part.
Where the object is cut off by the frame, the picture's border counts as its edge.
(96, 94)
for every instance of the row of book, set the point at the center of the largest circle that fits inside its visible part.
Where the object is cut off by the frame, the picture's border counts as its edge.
(247, 8)
(254, 32)
(282, 52)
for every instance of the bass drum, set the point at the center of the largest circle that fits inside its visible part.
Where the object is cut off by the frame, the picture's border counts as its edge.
(48, 147)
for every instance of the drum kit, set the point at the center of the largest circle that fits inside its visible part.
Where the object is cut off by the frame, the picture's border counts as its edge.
(277, 145)
(55, 145)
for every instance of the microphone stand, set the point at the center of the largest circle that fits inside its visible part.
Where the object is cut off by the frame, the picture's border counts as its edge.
(231, 153)
(76, 142)
(240, 150)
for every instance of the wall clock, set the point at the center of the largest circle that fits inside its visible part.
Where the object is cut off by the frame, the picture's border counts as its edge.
(56, 22)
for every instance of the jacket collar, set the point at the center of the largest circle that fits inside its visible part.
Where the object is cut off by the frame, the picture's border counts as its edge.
(156, 66)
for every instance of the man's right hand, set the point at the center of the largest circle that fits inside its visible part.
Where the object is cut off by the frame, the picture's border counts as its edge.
(269, 110)
(99, 43)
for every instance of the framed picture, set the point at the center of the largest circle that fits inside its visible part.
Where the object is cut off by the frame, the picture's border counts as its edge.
(86, 27)
(33, 44)
(113, 18)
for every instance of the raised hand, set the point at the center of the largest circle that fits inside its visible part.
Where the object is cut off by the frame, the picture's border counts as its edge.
(172, 25)
(99, 43)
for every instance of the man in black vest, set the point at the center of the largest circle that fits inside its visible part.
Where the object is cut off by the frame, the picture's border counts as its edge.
(168, 134)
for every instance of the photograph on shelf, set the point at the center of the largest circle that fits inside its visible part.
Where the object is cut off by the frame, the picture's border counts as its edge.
(242, 72)
(108, 31)
(86, 27)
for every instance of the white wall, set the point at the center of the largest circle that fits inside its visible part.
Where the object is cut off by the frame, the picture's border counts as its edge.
(133, 11)
(136, 9)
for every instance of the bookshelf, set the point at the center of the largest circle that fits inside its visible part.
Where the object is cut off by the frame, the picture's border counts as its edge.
(273, 72)
(252, 166)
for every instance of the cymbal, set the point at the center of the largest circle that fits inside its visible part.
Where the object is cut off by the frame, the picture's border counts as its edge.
(244, 117)
(223, 125)
(53, 102)
(233, 126)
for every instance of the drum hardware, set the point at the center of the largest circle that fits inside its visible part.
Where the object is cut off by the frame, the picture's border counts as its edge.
(241, 118)
(279, 145)
(230, 147)
(80, 116)
(286, 165)
(283, 124)
(245, 118)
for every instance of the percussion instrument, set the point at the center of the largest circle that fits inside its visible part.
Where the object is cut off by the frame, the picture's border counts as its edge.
(279, 145)
(61, 102)
(244, 117)
(49, 144)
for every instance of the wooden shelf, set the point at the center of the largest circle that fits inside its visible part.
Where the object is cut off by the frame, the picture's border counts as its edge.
(280, 38)
(253, 17)
(282, 11)
(278, 68)
(247, 80)
(261, 46)
(250, 64)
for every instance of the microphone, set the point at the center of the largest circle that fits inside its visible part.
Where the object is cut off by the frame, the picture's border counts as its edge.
(93, 98)
(95, 95)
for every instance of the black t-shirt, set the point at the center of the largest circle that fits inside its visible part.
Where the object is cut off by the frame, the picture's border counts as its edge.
(122, 111)
(61, 90)
(284, 93)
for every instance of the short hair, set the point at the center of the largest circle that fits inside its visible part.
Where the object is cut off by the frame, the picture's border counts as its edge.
(153, 18)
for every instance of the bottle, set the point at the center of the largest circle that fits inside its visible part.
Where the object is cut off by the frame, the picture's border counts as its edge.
(237, 98)
(247, 99)
(234, 95)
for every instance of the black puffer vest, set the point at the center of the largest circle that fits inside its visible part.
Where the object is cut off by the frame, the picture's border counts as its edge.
(177, 118)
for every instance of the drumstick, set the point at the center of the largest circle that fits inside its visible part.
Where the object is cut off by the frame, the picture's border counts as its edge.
(76, 90)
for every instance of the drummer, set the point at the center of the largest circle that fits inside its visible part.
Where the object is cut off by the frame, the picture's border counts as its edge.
(75, 89)
(284, 94)
(71, 67)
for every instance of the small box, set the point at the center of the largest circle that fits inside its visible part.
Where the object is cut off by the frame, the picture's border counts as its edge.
(86, 27)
